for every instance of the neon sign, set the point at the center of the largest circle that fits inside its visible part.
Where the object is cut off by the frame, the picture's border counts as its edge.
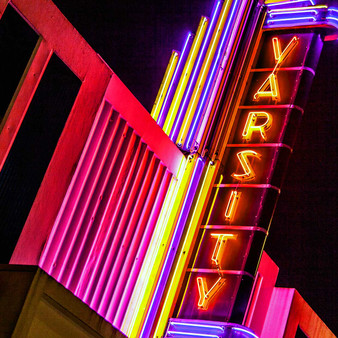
(242, 202)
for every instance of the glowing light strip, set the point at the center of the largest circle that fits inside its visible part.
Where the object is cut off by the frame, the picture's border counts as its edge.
(164, 85)
(81, 225)
(167, 127)
(277, 106)
(294, 10)
(232, 204)
(233, 227)
(334, 19)
(162, 281)
(274, 13)
(242, 185)
(245, 331)
(192, 334)
(223, 272)
(173, 83)
(202, 76)
(120, 308)
(273, 3)
(219, 74)
(211, 76)
(303, 18)
(198, 325)
(87, 294)
(186, 247)
(258, 145)
(143, 289)
(214, 199)
(333, 9)
(66, 221)
(136, 239)
(110, 250)
(222, 329)
(196, 68)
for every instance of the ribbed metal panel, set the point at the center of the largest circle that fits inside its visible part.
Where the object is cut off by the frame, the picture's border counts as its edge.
(101, 234)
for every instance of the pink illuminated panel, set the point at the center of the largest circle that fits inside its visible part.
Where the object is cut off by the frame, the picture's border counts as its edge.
(105, 224)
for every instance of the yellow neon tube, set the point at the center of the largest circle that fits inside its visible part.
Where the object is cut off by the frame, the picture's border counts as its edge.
(220, 247)
(203, 74)
(232, 205)
(183, 254)
(154, 258)
(185, 75)
(164, 85)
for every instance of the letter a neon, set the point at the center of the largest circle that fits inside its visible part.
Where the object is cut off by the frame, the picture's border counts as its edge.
(268, 88)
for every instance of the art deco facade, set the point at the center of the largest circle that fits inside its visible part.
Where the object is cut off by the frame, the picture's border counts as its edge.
(158, 222)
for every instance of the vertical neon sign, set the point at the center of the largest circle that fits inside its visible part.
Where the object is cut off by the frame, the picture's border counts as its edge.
(237, 218)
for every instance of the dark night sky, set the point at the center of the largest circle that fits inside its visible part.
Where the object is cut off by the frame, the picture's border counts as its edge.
(135, 38)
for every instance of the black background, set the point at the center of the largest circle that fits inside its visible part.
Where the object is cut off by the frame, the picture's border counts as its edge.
(135, 38)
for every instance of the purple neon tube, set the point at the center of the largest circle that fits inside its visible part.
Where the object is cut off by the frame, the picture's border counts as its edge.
(193, 78)
(211, 75)
(174, 81)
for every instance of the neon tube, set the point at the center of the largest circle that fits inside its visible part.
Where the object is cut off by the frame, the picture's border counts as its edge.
(89, 292)
(125, 266)
(232, 204)
(294, 10)
(186, 247)
(185, 75)
(273, 3)
(193, 334)
(219, 327)
(123, 233)
(245, 331)
(215, 65)
(202, 76)
(196, 70)
(173, 83)
(304, 19)
(162, 281)
(128, 286)
(164, 85)
(219, 73)
(143, 289)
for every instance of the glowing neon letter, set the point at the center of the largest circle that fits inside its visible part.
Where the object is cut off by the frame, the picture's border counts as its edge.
(232, 205)
(280, 57)
(250, 124)
(220, 247)
(249, 174)
(269, 88)
(205, 294)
